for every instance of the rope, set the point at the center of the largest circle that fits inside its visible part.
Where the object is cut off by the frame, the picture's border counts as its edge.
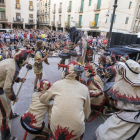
(96, 115)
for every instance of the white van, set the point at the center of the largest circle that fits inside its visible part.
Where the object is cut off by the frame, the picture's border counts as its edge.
(6, 30)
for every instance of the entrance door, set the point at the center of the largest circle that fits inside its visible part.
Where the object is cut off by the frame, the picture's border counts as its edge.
(80, 20)
(96, 19)
(68, 20)
(82, 6)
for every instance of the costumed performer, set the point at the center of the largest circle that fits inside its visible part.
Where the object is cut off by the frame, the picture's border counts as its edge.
(33, 119)
(9, 70)
(71, 106)
(125, 124)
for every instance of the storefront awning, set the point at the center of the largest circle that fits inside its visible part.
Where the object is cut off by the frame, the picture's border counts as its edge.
(2, 9)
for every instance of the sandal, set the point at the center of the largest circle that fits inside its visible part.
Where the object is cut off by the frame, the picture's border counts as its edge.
(14, 115)
(11, 138)
(35, 88)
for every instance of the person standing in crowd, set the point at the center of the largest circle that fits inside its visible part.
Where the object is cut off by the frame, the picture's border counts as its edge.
(43, 36)
(7, 39)
(12, 37)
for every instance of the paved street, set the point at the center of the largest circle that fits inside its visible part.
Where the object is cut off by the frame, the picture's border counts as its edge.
(51, 73)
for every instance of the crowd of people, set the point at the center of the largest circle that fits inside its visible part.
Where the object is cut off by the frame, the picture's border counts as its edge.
(52, 40)
(112, 86)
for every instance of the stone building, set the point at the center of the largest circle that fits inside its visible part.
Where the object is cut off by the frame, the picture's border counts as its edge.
(18, 14)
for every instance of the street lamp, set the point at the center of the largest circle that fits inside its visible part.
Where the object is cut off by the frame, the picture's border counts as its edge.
(110, 32)
(107, 17)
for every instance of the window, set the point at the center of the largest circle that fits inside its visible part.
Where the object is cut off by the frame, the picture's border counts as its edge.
(99, 4)
(134, 26)
(130, 5)
(138, 11)
(114, 18)
(2, 15)
(70, 5)
(17, 1)
(31, 5)
(127, 18)
(90, 2)
(1, 1)
(43, 3)
(82, 6)
(80, 20)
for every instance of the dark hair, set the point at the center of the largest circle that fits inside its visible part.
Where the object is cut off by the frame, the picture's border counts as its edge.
(38, 45)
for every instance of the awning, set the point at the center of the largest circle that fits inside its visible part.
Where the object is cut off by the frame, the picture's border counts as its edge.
(2, 9)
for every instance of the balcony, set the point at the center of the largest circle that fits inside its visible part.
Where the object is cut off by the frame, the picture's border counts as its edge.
(2, 4)
(69, 9)
(79, 25)
(96, 26)
(60, 10)
(54, 11)
(53, 23)
(42, 15)
(43, 22)
(18, 19)
(38, 13)
(59, 24)
(80, 10)
(67, 24)
(46, 13)
(3, 19)
(17, 6)
(31, 21)
(31, 8)
(45, 4)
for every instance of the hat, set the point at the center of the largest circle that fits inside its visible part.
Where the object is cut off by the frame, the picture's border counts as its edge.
(130, 72)
(111, 73)
(124, 58)
(112, 59)
(90, 70)
(102, 59)
(44, 85)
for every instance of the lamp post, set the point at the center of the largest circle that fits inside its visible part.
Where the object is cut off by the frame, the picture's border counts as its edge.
(110, 32)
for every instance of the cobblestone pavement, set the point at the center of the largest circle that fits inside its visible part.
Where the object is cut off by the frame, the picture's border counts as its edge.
(51, 73)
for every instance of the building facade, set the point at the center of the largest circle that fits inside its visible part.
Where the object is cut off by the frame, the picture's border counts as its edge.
(44, 14)
(83, 13)
(18, 14)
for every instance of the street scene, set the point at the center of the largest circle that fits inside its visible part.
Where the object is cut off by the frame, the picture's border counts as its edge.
(69, 70)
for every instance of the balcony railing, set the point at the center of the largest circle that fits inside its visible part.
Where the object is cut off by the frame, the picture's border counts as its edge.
(18, 19)
(42, 14)
(69, 8)
(59, 23)
(80, 10)
(38, 13)
(53, 23)
(95, 26)
(17, 6)
(60, 10)
(2, 4)
(54, 11)
(67, 24)
(79, 25)
(31, 8)
(45, 4)
(43, 22)
(31, 21)
(3, 19)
